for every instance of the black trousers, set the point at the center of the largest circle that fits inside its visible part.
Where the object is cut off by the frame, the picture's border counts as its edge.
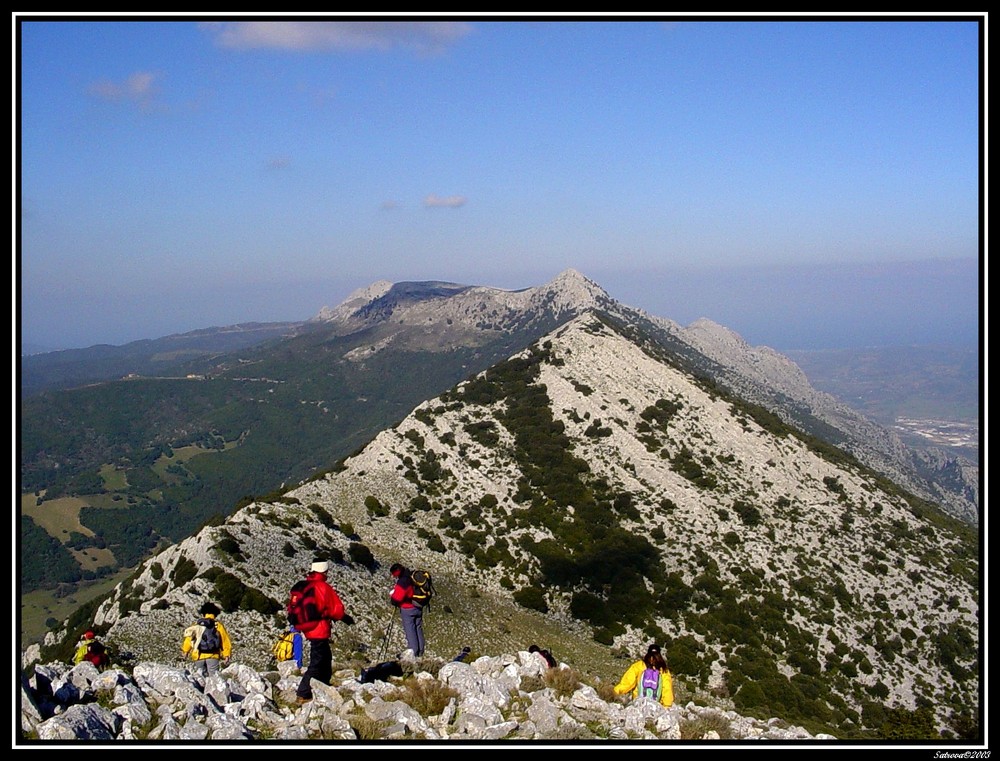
(320, 667)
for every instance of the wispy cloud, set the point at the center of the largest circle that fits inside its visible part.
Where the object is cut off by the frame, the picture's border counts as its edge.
(390, 205)
(140, 89)
(424, 37)
(450, 202)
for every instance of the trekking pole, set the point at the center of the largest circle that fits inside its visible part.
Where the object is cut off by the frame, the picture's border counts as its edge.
(384, 649)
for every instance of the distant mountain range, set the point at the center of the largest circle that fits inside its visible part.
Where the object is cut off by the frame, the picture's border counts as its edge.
(159, 356)
(593, 484)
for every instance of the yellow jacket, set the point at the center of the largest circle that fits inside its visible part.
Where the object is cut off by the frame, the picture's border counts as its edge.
(630, 683)
(193, 632)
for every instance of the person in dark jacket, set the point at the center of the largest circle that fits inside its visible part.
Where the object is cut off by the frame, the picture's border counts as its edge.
(328, 607)
(410, 613)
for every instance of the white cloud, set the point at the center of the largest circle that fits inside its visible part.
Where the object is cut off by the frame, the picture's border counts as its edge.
(139, 88)
(418, 36)
(450, 202)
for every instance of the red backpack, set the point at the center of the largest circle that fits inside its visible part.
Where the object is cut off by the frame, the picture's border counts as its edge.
(303, 608)
(97, 654)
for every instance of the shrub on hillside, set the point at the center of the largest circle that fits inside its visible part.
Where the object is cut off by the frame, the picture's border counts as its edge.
(361, 555)
(531, 597)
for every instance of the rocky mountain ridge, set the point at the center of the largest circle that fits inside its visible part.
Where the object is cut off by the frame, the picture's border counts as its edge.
(411, 315)
(498, 697)
(767, 377)
(592, 488)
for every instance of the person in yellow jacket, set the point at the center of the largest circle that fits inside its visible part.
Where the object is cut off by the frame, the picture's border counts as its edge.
(648, 678)
(207, 642)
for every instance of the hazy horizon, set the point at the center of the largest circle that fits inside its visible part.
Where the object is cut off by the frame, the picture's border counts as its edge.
(780, 311)
(807, 184)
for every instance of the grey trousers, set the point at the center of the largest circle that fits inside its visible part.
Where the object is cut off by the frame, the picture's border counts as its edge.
(413, 628)
(207, 666)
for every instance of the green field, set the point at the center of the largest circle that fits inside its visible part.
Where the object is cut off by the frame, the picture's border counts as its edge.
(114, 478)
(39, 606)
(57, 516)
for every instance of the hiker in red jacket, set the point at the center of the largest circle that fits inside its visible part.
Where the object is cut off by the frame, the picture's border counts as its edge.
(323, 606)
(410, 613)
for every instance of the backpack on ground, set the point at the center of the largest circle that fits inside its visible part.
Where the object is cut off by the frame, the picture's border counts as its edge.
(210, 642)
(650, 684)
(303, 608)
(380, 672)
(284, 648)
(423, 588)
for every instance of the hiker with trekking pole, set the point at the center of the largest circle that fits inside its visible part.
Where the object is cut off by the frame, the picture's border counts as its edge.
(411, 594)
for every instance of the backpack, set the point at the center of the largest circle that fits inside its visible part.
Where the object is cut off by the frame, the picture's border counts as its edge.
(423, 588)
(650, 684)
(303, 609)
(97, 654)
(284, 648)
(380, 672)
(210, 642)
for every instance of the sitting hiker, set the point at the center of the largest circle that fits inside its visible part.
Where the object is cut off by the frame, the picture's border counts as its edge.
(206, 641)
(92, 650)
(545, 655)
(83, 646)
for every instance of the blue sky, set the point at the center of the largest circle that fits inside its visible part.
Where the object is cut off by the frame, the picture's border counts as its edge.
(805, 183)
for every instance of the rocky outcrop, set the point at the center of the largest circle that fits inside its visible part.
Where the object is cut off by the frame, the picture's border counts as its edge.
(766, 377)
(492, 698)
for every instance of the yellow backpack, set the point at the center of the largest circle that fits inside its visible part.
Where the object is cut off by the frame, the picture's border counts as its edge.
(284, 648)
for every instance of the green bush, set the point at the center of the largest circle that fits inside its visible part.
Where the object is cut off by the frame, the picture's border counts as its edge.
(232, 594)
(183, 572)
(531, 597)
(229, 546)
(361, 555)
(323, 516)
(375, 508)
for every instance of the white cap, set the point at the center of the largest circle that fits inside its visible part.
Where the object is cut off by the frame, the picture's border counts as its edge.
(320, 566)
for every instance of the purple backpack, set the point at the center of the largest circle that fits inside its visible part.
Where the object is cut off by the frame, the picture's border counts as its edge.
(650, 684)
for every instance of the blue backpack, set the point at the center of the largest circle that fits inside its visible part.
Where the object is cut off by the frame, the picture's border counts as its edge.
(650, 684)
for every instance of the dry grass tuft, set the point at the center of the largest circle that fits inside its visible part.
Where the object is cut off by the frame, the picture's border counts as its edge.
(564, 681)
(428, 697)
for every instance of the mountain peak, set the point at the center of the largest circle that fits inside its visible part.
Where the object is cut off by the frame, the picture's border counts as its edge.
(571, 291)
(356, 300)
(573, 280)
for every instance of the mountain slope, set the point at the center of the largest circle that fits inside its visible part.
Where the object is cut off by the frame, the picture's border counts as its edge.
(766, 377)
(176, 451)
(600, 486)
